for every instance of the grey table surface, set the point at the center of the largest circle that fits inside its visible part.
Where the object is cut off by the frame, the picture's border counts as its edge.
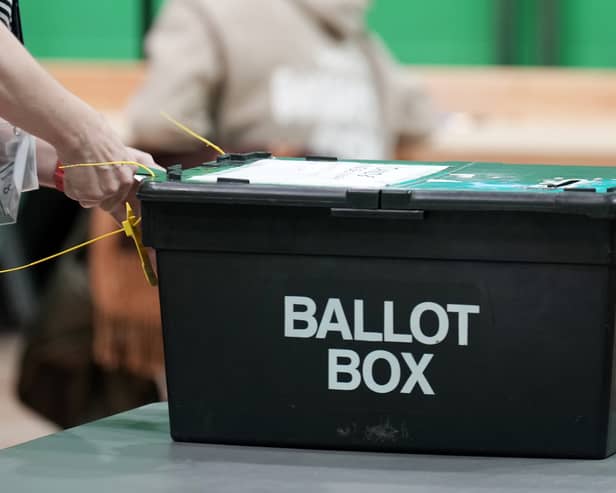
(133, 452)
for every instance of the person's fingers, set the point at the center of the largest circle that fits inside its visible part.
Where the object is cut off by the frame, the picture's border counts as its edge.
(144, 158)
(118, 209)
(82, 185)
(109, 181)
(88, 205)
(89, 184)
(126, 179)
(105, 186)
(126, 184)
(126, 174)
(110, 204)
(118, 213)
(116, 186)
(133, 200)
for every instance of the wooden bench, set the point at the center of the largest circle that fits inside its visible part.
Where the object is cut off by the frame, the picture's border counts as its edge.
(523, 115)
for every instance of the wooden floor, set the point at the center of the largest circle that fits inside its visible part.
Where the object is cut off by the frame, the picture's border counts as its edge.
(17, 424)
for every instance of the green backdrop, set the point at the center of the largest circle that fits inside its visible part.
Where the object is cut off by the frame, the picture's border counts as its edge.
(108, 29)
(573, 33)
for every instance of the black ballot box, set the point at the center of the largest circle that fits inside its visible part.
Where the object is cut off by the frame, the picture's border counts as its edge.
(460, 308)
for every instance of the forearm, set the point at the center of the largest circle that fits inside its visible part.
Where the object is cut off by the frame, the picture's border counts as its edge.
(31, 99)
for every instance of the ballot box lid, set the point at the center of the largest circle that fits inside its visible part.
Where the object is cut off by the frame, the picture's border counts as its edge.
(314, 181)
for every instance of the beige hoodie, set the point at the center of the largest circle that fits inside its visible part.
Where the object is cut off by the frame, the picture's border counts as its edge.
(252, 74)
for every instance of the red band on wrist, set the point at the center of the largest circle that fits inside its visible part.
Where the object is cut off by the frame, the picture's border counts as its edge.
(58, 177)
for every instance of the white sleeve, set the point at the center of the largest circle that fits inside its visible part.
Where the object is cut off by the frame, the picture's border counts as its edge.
(17, 169)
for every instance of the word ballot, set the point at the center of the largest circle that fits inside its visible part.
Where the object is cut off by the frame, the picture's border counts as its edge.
(346, 371)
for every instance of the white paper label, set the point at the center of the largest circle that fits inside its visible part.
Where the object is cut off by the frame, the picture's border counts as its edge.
(324, 173)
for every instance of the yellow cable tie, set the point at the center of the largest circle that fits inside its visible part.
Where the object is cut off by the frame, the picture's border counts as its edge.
(192, 133)
(110, 163)
(63, 252)
(129, 226)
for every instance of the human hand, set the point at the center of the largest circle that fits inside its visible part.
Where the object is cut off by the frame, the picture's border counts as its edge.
(100, 186)
(118, 211)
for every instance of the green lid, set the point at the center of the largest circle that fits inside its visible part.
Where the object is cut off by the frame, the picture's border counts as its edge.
(326, 182)
(453, 176)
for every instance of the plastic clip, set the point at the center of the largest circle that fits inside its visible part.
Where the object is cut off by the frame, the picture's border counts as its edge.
(130, 229)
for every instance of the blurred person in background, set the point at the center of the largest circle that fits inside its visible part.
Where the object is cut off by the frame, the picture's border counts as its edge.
(303, 75)
(289, 76)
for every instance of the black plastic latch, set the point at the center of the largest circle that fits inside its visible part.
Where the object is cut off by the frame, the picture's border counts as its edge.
(174, 173)
(240, 157)
(222, 179)
(580, 189)
(363, 199)
(232, 156)
(259, 155)
(223, 158)
(396, 199)
(320, 158)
